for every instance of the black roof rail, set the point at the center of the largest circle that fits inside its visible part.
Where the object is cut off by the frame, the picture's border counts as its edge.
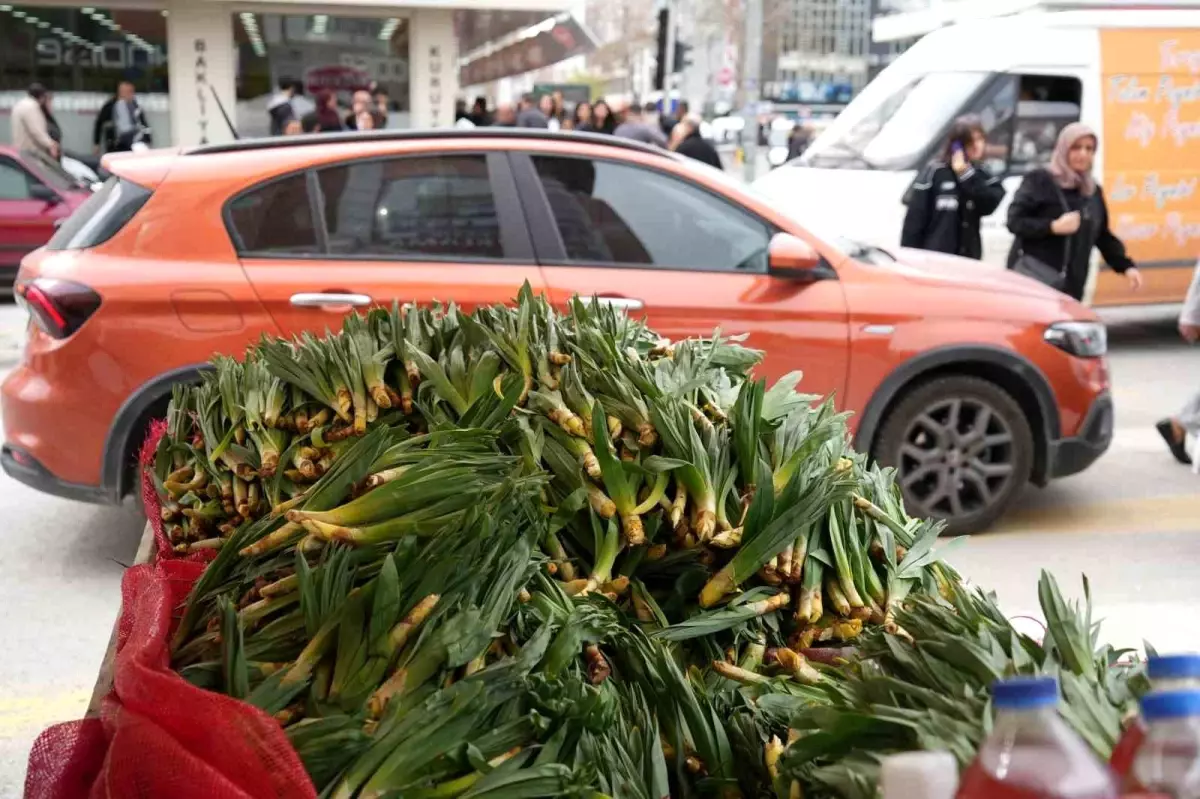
(437, 134)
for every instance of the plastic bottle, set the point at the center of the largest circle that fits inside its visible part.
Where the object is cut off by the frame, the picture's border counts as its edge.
(1032, 753)
(919, 775)
(1168, 761)
(1166, 673)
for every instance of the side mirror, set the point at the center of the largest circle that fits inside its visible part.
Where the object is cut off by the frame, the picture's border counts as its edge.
(40, 191)
(791, 256)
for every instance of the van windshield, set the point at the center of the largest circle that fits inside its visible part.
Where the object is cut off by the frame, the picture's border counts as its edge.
(889, 125)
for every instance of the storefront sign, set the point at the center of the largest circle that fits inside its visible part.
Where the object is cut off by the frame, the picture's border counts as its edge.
(335, 78)
(566, 39)
(117, 55)
(200, 77)
(435, 86)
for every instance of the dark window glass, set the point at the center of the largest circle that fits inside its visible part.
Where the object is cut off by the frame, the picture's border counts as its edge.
(436, 207)
(14, 181)
(613, 214)
(275, 219)
(101, 216)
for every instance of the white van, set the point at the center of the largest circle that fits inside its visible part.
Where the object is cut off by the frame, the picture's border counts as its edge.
(1133, 75)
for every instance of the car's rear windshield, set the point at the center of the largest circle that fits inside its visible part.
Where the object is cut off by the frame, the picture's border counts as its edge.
(101, 216)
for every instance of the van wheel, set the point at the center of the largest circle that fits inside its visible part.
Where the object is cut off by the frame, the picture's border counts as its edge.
(962, 448)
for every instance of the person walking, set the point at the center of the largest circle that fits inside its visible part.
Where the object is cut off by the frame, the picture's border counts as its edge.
(479, 115)
(951, 195)
(325, 119)
(361, 108)
(583, 117)
(506, 116)
(549, 110)
(121, 123)
(635, 127)
(669, 121)
(1176, 429)
(601, 119)
(280, 108)
(1058, 215)
(798, 140)
(529, 116)
(30, 126)
(689, 142)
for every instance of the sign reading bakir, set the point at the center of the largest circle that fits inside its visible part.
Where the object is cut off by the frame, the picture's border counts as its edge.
(200, 77)
(1151, 80)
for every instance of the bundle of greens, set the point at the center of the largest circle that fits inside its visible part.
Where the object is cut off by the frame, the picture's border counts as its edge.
(515, 553)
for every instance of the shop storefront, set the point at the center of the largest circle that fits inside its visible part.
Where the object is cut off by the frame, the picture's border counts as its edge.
(194, 64)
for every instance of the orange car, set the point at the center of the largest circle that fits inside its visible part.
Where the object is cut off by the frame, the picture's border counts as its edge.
(971, 382)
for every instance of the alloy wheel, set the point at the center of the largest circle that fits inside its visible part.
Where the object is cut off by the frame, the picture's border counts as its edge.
(956, 458)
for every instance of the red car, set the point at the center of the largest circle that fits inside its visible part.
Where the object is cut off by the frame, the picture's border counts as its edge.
(35, 195)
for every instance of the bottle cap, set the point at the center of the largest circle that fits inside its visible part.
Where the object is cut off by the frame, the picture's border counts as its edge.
(1174, 667)
(1025, 693)
(1163, 705)
(919, 775)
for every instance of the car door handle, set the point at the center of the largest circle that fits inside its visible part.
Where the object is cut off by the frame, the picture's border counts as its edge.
(320, 299)
(625, 303)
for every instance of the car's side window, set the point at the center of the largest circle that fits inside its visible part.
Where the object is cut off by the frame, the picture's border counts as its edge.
(612, 214)
(14, 181)
(274, 219)
(439, 207)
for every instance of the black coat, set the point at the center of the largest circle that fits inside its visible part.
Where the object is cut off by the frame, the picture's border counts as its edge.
(104, 132)
(1037, 203)
(694, 146)
(944, 210)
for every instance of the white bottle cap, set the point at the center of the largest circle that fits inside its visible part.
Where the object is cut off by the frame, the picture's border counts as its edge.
(919, 775)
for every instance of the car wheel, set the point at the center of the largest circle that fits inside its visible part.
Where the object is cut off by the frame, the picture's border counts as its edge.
(962, 448)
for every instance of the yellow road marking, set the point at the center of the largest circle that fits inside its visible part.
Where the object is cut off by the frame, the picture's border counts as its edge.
(1176, 513)
(22, 714)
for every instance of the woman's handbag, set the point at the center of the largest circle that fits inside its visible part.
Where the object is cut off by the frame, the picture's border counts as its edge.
(1041, 271)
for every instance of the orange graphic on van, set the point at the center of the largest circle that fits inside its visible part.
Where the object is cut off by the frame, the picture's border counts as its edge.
(1151, 83)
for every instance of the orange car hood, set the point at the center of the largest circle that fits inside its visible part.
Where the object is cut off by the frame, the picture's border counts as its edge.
(937, 269)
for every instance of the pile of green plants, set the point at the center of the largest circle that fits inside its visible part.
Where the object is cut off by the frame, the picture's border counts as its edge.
(515, 553)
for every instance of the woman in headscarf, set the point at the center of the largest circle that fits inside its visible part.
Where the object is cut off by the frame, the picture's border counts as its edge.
(1058, 215)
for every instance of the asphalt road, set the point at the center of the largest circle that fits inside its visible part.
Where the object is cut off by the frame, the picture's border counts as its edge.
(1131, 523)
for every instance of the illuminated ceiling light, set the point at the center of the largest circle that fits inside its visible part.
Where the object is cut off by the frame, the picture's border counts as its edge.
(5, 8)
(43, 24)
(18, 14)
(166, 13)
(87, 10)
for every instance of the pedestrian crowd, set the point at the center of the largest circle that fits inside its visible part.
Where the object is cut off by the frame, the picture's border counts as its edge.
(645, 123)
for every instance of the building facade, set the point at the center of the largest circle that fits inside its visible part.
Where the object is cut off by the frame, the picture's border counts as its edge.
(203, 68)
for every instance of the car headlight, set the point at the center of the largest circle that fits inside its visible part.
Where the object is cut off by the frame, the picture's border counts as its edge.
(1081, 339)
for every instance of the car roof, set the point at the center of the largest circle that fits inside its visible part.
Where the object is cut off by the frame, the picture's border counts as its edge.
(488, 134)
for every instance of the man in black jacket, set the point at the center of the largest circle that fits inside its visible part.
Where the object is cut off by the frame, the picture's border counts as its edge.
(950, 196)
(121, 123)
(692, 144)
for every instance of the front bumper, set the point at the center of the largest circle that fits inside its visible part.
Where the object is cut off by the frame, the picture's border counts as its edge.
(1070, 456)
(23, 468)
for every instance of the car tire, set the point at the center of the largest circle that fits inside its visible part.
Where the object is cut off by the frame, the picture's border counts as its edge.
(962, 447)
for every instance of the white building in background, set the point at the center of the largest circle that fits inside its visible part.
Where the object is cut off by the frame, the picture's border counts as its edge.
(192, 60)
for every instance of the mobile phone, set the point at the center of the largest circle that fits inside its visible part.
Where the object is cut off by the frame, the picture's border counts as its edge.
(956, 148)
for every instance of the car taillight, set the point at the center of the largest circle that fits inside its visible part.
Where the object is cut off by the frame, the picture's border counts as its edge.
(59, 307)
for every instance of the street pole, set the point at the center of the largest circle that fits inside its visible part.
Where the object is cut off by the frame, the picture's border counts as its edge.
(751, 77)
(670, 56)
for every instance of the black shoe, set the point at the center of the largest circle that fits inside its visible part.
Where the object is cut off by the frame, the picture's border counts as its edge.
(1178, 446)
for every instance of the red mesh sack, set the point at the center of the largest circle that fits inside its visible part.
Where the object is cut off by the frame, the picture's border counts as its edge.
(158, 735)
(150, 502)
